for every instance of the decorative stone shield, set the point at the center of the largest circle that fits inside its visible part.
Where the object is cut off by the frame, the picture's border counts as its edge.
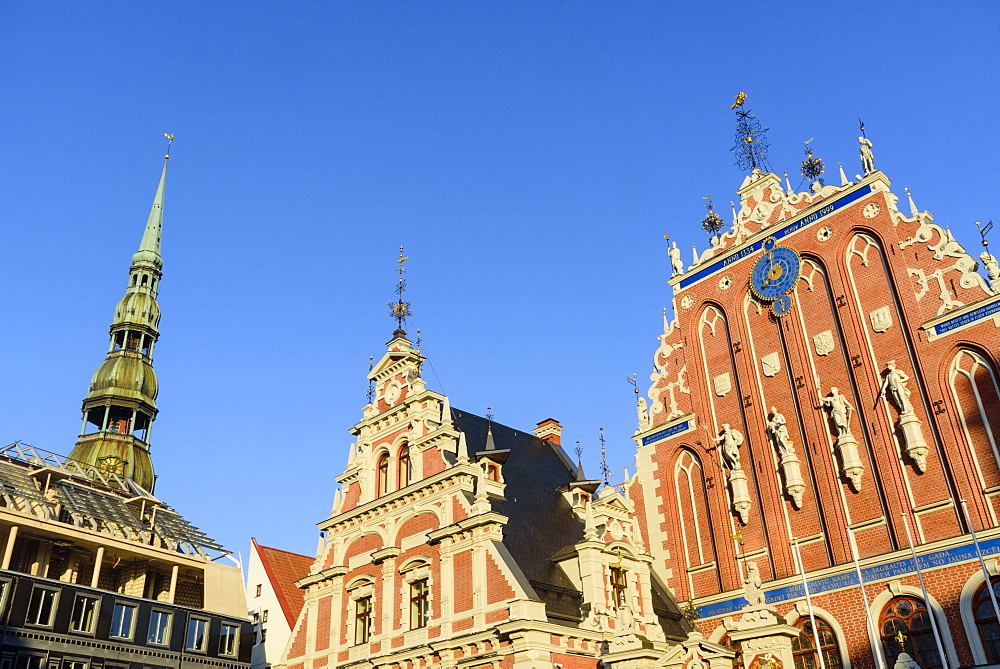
(771, 364)
(723, 384)
(823, 342)
(881, 319)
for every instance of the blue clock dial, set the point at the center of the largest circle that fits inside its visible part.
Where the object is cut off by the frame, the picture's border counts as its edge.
(775, 273)
(782, 305)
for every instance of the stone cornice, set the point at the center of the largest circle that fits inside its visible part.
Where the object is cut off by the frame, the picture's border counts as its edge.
(412, 490)
(327, 574)
(466, 524)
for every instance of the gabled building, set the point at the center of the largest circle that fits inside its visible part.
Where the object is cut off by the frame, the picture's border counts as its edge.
(827, 397)
(96, 572)
(274, 600)
(457, 541)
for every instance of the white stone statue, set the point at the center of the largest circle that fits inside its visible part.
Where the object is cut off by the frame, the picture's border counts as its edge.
(894, 388)
(676, 264)
(731, 441)
(867, 160)
(642, 410)
(840, 411)
(778, 431)
(753, 588)
(992, 269)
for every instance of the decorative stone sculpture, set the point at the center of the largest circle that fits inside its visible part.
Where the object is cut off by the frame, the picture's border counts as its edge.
(895, 392)
(642, 410)
(840, 411)
(731, 441)
(846, 445)
(676, 264)
(894, 388)
(777, 430)
(992, 269)
(753, 588)
(867, 160)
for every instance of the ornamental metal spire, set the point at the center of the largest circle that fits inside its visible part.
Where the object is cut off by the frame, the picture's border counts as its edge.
(712, 223)
(751, 139)
(605, 470)
(400, 310)
(812, 168)
(120, 405)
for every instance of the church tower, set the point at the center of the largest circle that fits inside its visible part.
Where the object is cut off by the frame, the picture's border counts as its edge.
(120, 405)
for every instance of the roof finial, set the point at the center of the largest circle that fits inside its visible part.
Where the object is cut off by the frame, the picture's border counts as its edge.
(170, 140)
(371, 382)
(400, 309)
(913, 207)
(812, 168)
(751, 139)
(984, 230)
(712, 223)
(605, 470)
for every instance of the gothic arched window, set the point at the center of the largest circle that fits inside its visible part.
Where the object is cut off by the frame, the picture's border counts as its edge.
(909, 616)
(405, 467)
(986, 621)
(804, 645)
(382, 475)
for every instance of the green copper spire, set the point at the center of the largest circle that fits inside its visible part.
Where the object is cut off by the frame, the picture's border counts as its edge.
(120, 405)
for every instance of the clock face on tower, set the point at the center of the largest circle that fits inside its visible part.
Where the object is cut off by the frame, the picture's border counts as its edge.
(775, 273)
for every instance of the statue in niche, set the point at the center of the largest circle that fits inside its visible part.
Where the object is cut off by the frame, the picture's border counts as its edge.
(731, 440)
(840, 411)
(894, 388)
(867, 160)
(753, 588)
(778, 431)
(676, 264)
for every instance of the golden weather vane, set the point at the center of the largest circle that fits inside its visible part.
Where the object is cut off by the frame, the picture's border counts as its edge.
(740, 99)
(170, 140)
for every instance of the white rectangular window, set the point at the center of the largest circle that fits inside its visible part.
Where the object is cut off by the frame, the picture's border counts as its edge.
(83, 615)
(197, 636)
(159, 627)
(29, 662)
(41, 607)
(122, 620)
(74, 664)
(228, 640)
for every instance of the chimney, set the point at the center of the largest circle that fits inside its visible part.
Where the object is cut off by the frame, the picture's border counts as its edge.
(549, 430)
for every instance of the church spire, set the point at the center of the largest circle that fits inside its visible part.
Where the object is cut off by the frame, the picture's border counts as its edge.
(120, 405)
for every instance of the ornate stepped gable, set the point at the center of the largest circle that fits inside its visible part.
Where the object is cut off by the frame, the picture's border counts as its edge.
(453, 535)
(819, 406)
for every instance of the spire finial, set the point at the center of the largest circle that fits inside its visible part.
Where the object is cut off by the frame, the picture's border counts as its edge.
(170, 140)
(712, 223)
(371, 382)
(605, 470)
(751, 139)
(983, 231)
(400, 310)
(812, 168)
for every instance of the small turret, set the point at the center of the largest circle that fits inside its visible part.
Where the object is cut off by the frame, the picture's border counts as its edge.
(120, 405)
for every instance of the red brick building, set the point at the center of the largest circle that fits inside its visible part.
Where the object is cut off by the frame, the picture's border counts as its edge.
(831, 376)
(457, 541)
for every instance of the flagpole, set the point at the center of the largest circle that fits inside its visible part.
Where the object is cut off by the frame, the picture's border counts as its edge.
(982, 562)
(923, 588)
(864, 595)
(817, 638)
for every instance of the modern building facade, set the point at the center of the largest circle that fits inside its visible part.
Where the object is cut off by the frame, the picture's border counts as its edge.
(96, 572)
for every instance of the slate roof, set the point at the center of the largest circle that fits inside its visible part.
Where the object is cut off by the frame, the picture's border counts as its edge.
(283, 569)
(541, 521)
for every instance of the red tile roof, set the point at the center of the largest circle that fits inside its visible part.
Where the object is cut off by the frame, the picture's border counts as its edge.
(283, 569)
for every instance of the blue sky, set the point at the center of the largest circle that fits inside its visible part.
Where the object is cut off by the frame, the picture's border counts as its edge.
(529, 156)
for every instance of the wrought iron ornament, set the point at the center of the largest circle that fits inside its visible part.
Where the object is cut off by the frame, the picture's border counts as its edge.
(400, 310)
(812, 168)
(751, 138)
(605, 470)
(712, 223)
